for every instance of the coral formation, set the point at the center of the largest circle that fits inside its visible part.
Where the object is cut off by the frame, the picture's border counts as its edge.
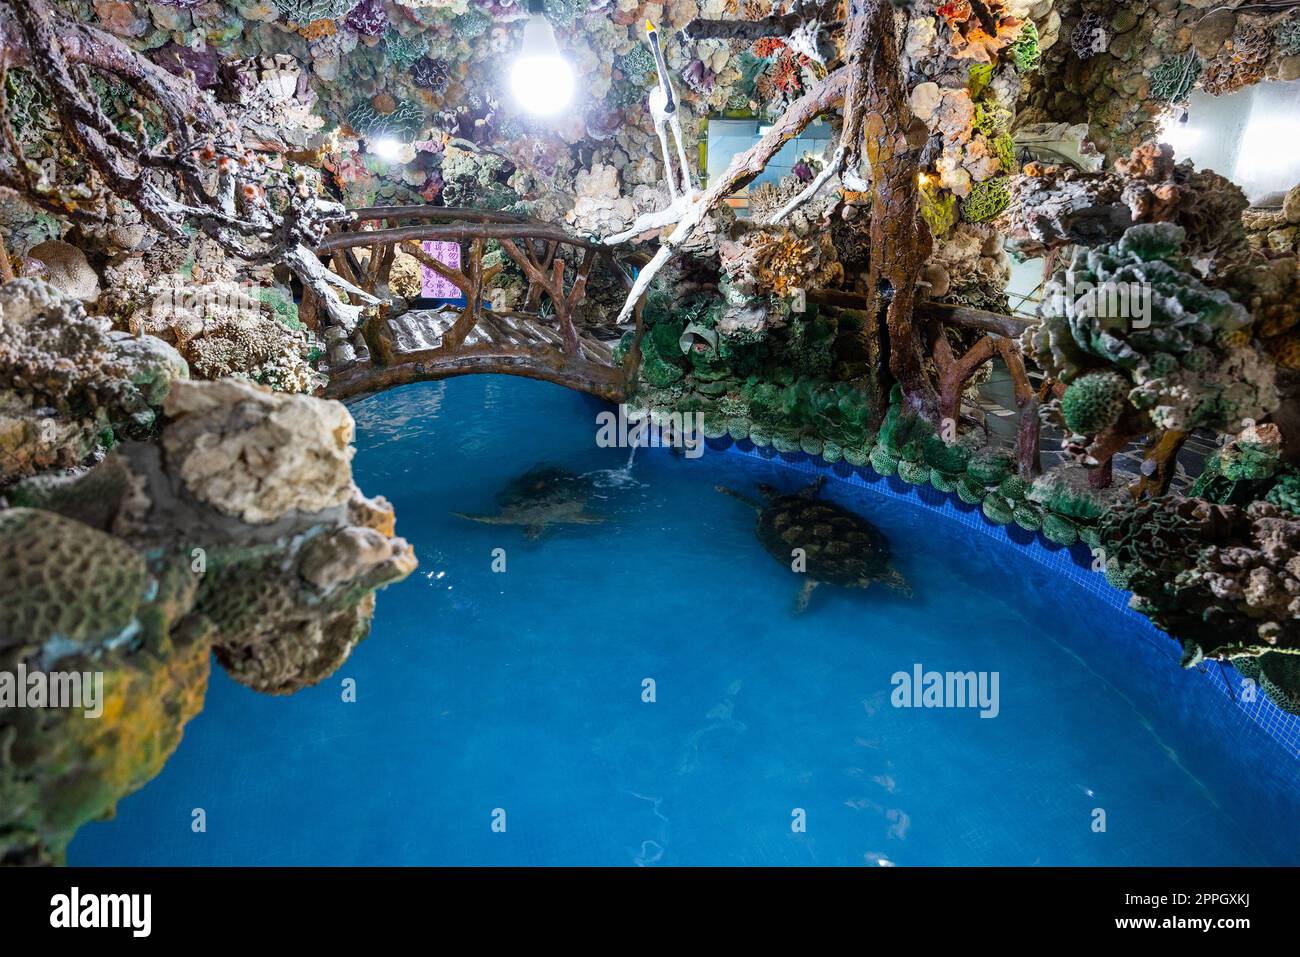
(197, 543)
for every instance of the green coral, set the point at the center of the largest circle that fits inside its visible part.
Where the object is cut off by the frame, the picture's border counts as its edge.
(402, 51)
(1285, 493)
(882, 461)
(405, 122)
(1145, 314)
(1060, 530)
(1004, 148)
(978, 78)
(1024, 49)
(986, 200)
(565, 13)
(1027, 517)
(472, 24)
(997, 510)
(938, 209)
(637, 66)
(913, 473)
(1171, 80)
(1094, 402)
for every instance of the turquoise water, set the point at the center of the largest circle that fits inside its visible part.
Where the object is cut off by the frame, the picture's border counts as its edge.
(521, 692)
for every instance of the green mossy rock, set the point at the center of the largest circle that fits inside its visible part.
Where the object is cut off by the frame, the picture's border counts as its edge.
(811, 444)
(990, 465)
(970, 491)
(944, 456)
(913, 473)
(831, 452)
(901, 426)
(857, 455)
(997, 509)
(1013, 488)
(1060, 530)
(738, 428)
(1066, 492)
(758, 435)
(784, 442)
(943, 481)
(1027, 517)
(883, 462)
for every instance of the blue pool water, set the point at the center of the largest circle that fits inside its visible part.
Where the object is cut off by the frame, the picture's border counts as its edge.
(522, 691)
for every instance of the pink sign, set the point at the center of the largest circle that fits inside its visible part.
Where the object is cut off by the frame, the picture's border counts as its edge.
(433, 286)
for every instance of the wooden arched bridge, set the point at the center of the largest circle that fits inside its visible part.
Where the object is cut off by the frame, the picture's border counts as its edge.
(539, 340)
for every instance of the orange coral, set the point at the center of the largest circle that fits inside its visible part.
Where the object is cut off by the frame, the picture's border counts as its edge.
(317, 30)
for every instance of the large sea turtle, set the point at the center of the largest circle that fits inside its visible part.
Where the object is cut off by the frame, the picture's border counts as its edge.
(838, 546)
(542, 496)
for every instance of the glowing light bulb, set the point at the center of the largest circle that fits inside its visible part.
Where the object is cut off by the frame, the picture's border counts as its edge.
(541, 80)
(1181, 135)
(386, 148)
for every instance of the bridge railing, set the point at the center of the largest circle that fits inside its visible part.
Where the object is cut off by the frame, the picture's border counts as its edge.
(535, 247)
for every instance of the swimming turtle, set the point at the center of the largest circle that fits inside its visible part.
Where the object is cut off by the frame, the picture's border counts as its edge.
(542, 496)
(838, 546)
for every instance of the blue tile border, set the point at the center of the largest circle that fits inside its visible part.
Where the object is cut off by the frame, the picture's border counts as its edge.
(1075, 563)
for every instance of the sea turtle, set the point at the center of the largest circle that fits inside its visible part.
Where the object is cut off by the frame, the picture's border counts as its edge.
(542, 496)
(837, 546)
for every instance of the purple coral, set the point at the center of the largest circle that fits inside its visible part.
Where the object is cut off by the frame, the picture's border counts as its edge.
(430, 74)
(699, 78)
(368, 18)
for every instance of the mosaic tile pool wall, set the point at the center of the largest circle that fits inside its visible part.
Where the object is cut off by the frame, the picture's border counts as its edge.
(1257, 722)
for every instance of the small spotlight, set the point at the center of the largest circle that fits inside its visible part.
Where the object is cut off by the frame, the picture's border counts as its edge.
(386, 148)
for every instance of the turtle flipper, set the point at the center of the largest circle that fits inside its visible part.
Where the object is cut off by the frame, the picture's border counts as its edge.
(586, 518)
(812, 490)
(758, 506)
(898, 583)
(805, 596)
(487, 519)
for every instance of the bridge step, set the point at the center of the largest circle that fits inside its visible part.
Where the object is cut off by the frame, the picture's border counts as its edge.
(423, 329)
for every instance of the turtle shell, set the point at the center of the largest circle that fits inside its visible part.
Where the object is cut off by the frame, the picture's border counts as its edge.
(544, 487)
(840, 548)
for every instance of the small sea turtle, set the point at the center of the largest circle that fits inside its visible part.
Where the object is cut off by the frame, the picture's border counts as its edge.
(838, 546)
(546, 495)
